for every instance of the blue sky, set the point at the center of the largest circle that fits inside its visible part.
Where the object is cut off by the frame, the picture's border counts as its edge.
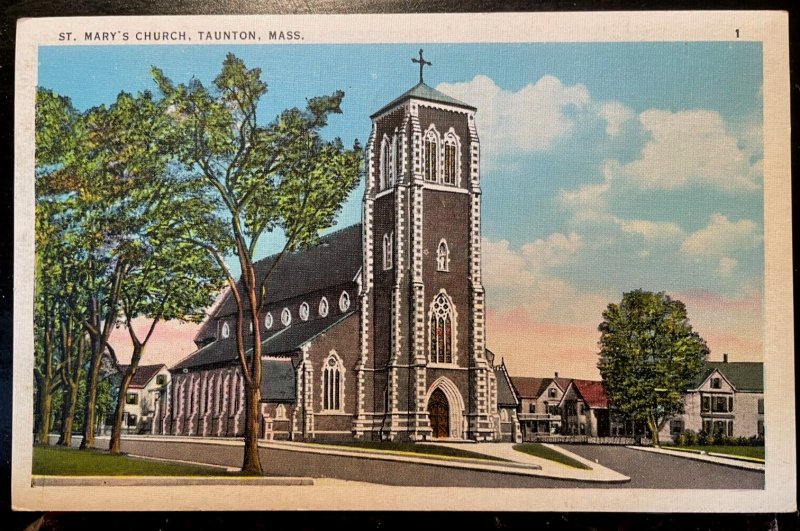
(605, 166)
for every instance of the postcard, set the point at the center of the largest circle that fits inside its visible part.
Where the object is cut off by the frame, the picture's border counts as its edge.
(517, 262)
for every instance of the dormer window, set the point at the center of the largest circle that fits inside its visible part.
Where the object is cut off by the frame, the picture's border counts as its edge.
(443, 256)
(552, 393)
(304, 311)
(431, 156)
(323, 307)
(286, 317)
(344, 302)
(715, 383)
(387, 251)
(226, 331)
(268, 320)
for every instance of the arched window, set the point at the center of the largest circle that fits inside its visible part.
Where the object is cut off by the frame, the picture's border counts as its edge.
(332, 383)
(268, 320)
(450, 158)
(503, 415)
(286, 317)
(280, 412)
(443, 256)
(226, 330)
(387, 251)
(441, 330)
(431, 157)
(386, 163)
(344, 301)
(323, 307)
(398, 158)
(304, 311)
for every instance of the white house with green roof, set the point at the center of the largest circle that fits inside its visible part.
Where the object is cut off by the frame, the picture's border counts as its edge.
(725, 397)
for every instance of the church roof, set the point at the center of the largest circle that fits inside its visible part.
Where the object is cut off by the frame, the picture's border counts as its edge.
(505, 392)
(277, 380)
(335, 260)
(282, 341)
(744, 375)
(421, 91)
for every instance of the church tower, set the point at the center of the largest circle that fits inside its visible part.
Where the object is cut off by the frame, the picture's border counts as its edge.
(423, 372)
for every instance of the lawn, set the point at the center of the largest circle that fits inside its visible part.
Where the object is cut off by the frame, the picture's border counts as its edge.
(415, 448)
(71, 462)
(538, 450)
(752, 452)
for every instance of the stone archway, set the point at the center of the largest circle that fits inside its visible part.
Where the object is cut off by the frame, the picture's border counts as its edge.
(444, 399)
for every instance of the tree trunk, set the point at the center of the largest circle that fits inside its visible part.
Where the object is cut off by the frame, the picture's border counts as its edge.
(93, 375)
(119, 413)
(653, 425)
(68, 413)
(252, 460)
(45, 413)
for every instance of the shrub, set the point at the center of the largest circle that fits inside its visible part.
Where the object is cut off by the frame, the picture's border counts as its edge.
(689, 438)
(702, 438)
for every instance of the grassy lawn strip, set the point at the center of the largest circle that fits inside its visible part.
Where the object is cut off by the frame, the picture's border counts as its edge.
(750, 452)
(537, 450)
(71, 462)
(414, 448)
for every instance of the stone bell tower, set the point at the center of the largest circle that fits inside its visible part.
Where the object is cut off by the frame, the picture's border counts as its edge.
(423, 372)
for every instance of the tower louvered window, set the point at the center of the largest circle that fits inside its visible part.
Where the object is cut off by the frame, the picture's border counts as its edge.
(450, 160)
(431, 157)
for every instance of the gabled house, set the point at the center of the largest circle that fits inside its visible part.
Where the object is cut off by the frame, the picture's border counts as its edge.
(141, 400)
(727, 398)
(538, 411)
(584, 409)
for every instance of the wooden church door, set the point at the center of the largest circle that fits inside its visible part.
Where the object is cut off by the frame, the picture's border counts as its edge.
(439, 414)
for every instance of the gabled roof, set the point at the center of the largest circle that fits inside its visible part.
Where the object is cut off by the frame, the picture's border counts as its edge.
(745, 376)
(334, 261)
(592, 392)
(532, 388)
(281, 341)
(506, 396)
(144, 373)
(278, 380)
(421, 91)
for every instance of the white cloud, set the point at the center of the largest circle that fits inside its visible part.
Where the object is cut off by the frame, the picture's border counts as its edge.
(651, 230)
(726, 266)
(721, 237)
(502, 267)
(690, 147)
(556, 250)
(615, 114)
(530, 119)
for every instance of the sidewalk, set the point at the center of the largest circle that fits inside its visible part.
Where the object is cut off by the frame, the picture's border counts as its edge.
(718, 459)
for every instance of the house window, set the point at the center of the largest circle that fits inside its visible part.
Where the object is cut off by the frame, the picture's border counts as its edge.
(304, 311)
(286, 317)
(268, 320)
(226, 330)
(730, 403)
(760, 406)
(584, 409)
(719, 404)
(730, 428)
(431, 156)
(161, 379)
(532, 408)
(707, 426)
(551, 393)
(344, 301)
(441, 330)
(705, 404)
(450, 158)
(332, 380)
(715, 383)
(443, 256)
(131, 421)
(387, 251)
(676, 427)
(323, 307)
(132, 399)
(280, 412)
(760, 428)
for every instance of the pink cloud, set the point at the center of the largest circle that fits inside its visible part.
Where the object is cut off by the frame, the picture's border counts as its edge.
(171, 341)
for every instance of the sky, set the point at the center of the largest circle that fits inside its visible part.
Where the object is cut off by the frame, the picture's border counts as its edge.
(605, 167)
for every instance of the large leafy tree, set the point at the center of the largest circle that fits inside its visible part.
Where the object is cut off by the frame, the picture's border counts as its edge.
(260, 177)
(649, 355)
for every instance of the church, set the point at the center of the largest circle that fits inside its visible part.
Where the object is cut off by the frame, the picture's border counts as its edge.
(378, 332)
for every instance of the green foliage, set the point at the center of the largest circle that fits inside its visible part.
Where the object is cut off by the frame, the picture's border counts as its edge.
(538, 450)
(649, 356)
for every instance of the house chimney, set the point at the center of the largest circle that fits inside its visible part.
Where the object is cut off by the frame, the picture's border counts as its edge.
(725, 358)
(556, 374)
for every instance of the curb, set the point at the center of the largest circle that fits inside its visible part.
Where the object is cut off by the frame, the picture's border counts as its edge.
(165, 481)
(714, 458)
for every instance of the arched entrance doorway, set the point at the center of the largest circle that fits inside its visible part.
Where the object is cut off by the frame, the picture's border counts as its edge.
(439, 414)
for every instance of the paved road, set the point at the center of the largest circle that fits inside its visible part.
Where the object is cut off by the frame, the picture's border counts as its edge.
(649, 470)
(646, 470)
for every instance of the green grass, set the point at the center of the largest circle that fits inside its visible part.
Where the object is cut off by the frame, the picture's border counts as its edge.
(71, 462)
(537, 450)
(751, 452)
(414, 448)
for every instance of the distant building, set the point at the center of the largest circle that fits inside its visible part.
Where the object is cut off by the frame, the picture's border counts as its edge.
(539, 398)
(726, 397)
(142, 397)
(508, 402)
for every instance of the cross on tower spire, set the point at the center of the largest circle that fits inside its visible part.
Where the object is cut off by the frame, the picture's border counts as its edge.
(422, 62)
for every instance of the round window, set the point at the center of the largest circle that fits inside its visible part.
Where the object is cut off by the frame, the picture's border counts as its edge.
(323, 307)
(268, 320)
(344, 301)
(286, 317)
(304, 311)
(226, 330)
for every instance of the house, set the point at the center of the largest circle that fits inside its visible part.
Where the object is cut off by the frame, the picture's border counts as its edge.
(141, 400)
(378, 332)
(726, 397)
(584, 409)
(539, 398)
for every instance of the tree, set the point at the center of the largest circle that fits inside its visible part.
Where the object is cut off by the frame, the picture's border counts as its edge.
(260, 177)
(649, 355)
